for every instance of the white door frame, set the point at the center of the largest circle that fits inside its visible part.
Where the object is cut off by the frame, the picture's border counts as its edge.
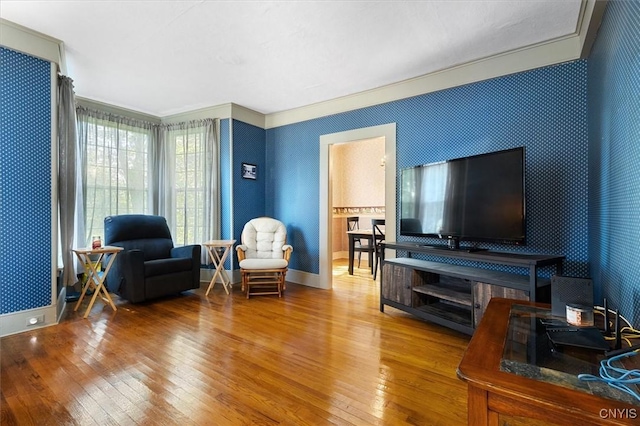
(388, 132)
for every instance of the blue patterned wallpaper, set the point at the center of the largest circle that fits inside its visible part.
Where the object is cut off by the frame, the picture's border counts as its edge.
(25, 182)
(248, 195)
(614, 158)
(544, 110)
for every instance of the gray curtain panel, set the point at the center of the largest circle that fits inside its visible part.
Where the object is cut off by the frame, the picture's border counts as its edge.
(67, 144)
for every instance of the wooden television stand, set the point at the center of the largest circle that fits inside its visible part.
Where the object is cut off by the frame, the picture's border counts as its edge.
(457, 296)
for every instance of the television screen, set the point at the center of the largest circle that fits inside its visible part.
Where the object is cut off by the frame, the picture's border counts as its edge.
(478, 198)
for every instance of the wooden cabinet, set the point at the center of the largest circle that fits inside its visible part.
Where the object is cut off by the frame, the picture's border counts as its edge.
(483, 292)
(399, 284)
(457, 296)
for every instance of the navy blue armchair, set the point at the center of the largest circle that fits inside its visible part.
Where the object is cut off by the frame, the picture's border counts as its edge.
(149, 266)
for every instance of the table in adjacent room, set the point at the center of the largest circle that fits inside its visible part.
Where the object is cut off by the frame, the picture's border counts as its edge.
(95, 277)
(218, 253)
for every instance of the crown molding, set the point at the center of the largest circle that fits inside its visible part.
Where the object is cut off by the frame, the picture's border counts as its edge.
(217, 111)
(113, 109)
(230, 110)
(25, 40)
(563, 49)
(249, 116)
(591, 18)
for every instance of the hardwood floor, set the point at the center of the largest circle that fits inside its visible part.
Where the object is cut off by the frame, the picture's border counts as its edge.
(314, 357)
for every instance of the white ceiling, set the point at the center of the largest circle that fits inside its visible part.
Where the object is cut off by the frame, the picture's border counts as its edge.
(168, 57)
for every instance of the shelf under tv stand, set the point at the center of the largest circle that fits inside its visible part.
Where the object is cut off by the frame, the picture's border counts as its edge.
(456, 296)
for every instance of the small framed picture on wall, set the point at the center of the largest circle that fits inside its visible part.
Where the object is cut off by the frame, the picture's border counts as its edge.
(249, 171)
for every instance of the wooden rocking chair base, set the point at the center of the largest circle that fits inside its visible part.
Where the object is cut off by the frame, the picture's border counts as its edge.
(265, 281)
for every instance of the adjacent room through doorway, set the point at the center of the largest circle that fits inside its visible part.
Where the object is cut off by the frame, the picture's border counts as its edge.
(357, 192)
(382, 161)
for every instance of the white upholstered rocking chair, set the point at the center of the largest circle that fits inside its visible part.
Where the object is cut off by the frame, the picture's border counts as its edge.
(264, 256)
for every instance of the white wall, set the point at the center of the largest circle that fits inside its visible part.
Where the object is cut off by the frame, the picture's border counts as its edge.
(358, 177)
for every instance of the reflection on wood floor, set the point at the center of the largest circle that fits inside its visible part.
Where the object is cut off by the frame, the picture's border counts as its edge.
(313, 357)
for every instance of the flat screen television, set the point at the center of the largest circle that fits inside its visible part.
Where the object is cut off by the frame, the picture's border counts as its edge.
(477, 198)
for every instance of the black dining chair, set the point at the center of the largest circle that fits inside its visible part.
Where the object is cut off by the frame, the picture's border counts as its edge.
(359, 246)
(377, 227)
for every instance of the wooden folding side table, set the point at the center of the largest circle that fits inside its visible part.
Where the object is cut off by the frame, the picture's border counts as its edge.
(213, 247)
(95, 279)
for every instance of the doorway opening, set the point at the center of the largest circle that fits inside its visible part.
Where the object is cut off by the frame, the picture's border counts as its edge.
(357, 188)
(386, 133)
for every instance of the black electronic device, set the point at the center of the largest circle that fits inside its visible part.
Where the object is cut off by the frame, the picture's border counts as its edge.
(553, 323)
(618, 344)
(607, 326)
(570, 290)
(616, 352)
(582, 337)
(476, 198)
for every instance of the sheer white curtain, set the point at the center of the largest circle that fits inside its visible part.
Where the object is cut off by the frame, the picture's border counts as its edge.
(115, 166)
(188, 181)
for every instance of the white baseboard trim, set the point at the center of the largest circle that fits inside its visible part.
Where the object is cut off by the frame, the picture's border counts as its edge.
(16, 322)
(303, 278)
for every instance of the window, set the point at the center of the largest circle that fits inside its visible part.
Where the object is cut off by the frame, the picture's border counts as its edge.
(135, 167)
(116, 170)
(188, 208)
(189, 188)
